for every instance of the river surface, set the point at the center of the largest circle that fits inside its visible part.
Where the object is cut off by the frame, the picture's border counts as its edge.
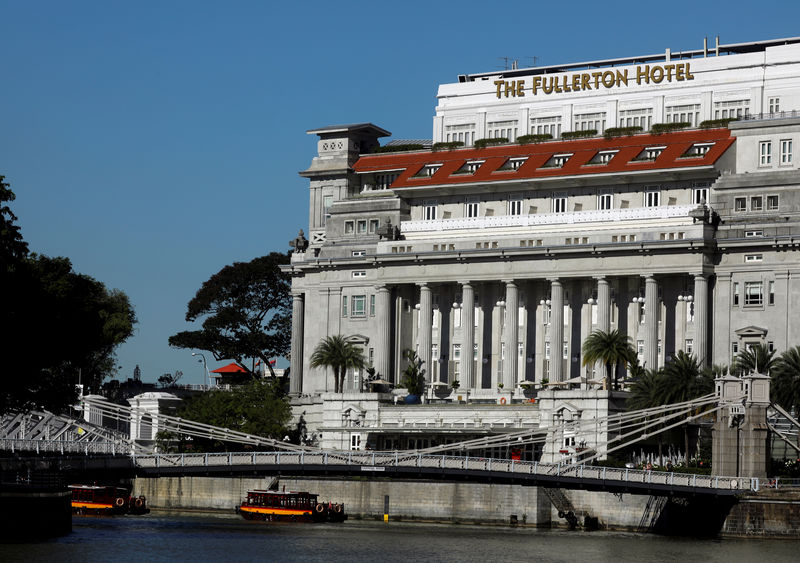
(163, 536)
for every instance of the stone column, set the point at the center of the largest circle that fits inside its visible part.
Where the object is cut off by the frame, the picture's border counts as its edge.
(701, 318)
(296, 369)
(424, 329)
(650, 322)
(556, 331)
(512, 335)
(383, 303)
(468, 335)
(603, 305)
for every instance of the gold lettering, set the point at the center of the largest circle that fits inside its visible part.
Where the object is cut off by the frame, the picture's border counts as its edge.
(576, 82)
(622, 77)
(669, 72)
(537, 80)
(679, 72)
(585, 81)
(610, 82)
(545, 88)
(597, 76)
(520, 88)
(657, 74)
(565, 84)
(510, 89)
(557, 87)
(499, 84)
(689, 75)
(643, 74)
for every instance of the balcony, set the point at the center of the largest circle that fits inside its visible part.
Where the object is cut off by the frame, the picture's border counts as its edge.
(544, 219)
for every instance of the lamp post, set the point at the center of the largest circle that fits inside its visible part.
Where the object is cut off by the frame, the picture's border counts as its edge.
(205, 366)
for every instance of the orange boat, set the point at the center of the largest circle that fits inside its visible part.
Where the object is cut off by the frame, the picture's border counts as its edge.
(290, 506)
(100, 500)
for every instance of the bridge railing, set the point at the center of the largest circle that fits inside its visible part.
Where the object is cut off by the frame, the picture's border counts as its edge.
(368, 460)
(63, 446)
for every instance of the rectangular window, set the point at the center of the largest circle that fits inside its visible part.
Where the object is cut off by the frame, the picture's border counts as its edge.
(772, 203)
(774, 105)
(652, 197)
(565, 351)
(753, 294)
(546, 350)
(734, 348)
(349, 227)
(605, 200)
(559, 203)
(740, 204)
(327, 201)
(474, 352)
(471, 208)
(457, 317)
(700, 195)
(429, 211)
(753, 257)
(358, 306)
(355, 442)
(357, 253)
(371, 305)
(373, 226)
(640, 347)
(456, 352)
(344, 305)
(736, 294)
(765, 153)
(361, 226)
(359, 274)
(515, 206)
(786, 152)
(753, 234)
(771, 292)
(689, 346)
(756, 203)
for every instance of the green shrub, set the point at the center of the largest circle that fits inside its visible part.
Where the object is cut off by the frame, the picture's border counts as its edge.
(528, 139)
(447, 145)
(620, 131)
(399, 148)
(483, 143)
(566, 135)
(716, 123)
(659, 128)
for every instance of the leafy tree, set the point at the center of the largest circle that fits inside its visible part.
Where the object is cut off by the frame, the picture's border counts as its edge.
(683, 379)
(414, 374)
(643, 390)
(58, 326)
(169, 379)
(758, 358)
(785, 373)
(338, 354)
(246, 311)
(612, 348)
(260, 407)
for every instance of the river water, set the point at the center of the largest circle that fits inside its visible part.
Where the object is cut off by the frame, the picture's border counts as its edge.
(171, 537)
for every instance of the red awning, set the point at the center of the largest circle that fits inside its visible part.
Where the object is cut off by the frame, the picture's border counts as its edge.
(230, 368)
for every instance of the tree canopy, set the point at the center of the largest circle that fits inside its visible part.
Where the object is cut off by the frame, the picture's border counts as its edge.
(339, 354)
(246, 312)
(58, 326)
(612, 348)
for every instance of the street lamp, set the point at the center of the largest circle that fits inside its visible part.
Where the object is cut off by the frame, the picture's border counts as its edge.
(205, 365)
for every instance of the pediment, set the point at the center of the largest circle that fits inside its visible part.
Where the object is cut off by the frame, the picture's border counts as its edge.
(751, 331)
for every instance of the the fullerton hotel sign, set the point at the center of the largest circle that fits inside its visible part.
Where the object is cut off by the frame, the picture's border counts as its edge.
(553, 84)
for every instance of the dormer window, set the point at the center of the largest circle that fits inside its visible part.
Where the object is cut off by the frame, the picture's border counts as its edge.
(603, 157)
(697, 150)
(513, 164)
(557, 160)
(427, 171)
(470, 167)
(649, 154)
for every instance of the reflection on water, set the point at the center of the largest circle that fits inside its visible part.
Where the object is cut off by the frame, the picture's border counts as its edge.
(191, 537)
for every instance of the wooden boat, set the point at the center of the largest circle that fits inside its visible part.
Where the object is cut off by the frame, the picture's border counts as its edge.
(289, 506)
(104, 500)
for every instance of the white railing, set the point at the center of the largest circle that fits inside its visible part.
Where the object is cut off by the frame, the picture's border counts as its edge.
(575, 217)
(63, 447)
(378, 461)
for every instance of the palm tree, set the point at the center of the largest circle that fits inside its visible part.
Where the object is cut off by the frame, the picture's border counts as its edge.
(338, 354)
(786, 379)
(612, 348)
(758, 358)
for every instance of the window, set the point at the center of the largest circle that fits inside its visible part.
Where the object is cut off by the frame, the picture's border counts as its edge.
(736, 294)
(474, 352)
(649, 154)
(740, 204)
(734, 348)
(358, 306)
(752, 294)
(753, 234)
(371, 305)
(373, 226)
(471, 208)
(383, 181)
(774, 105)
(753, 257)
(427, 171)
(559, 203)
(605, 200)
(786, 152)
(636, 118)
(327, 201)
(688, 113)
(756, 203)
(464, 132)
(765, 153)
(547, 350)
(603, 157)
(700, 194)
(640, 347)
(514, 163)
(357, 253)
(731, 109)
(344, 305)
(502, 130)
(429, 210)
(456, 352)
(515, 206)
(587, 121)
(359, 274)
(349, 227)
(771, 292)
(652, 197)
(772, 202)
(355, 441)
(361, 226)
(565, 351)
(546, 126)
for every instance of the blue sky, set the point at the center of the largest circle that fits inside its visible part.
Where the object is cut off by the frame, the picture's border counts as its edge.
(155, 142)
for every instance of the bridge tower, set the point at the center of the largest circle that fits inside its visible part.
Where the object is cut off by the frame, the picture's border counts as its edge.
(740, 436)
